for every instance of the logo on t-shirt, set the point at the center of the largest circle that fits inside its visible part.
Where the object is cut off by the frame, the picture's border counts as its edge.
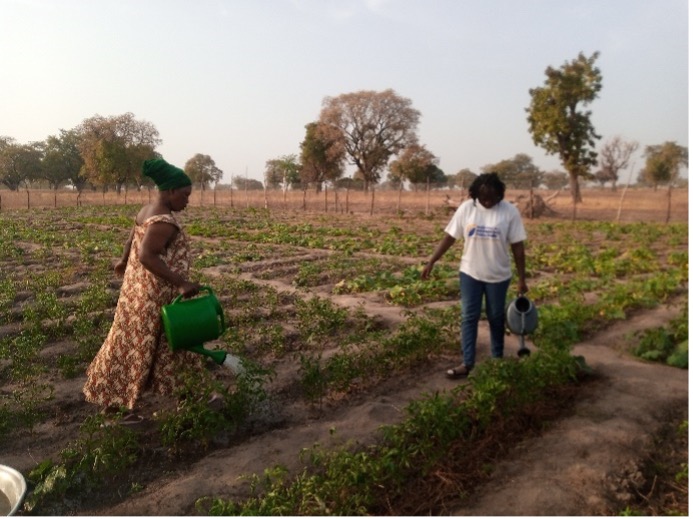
(483, 231)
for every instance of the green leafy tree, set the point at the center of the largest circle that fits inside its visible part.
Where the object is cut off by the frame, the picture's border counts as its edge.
(462, 179)
(202, 170)
(556, 179)
(19, 163)
(518, 172)
(559, 125)
(247, 184)
(282, 172)
(417, 165)
(62, 161)
(374, 127)
(113, 149)
(663, 163)
(322, 155)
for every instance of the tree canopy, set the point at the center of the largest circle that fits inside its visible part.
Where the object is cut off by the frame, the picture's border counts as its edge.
(557, 121)
(113, 148)
(417, 165)
(19, 163)
(202, 170)
(614, 156)
(322, 155)
(62, 161)
(282, 172)
(374, 126)
(663, 163)
(518, 172)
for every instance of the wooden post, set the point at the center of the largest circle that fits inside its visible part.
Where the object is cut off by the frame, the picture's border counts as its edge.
(428, 194)
(668, 205)
(531, 203)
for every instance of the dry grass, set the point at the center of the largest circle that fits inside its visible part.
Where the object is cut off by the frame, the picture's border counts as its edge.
(598, 204)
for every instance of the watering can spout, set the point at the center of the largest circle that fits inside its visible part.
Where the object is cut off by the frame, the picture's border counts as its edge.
(217, 356)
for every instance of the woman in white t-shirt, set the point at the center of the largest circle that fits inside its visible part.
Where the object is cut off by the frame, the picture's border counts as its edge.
(489, 226)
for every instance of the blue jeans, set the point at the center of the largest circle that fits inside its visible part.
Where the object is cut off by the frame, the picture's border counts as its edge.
(472, 291)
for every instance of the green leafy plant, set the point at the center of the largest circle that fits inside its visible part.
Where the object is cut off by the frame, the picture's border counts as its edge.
(100, 452)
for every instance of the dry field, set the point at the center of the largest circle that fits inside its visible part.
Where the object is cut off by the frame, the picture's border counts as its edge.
(340, 339)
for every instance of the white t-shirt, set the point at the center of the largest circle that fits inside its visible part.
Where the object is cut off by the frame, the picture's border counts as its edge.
(487, 235)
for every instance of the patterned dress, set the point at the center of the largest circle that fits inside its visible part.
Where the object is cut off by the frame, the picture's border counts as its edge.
(136, 355)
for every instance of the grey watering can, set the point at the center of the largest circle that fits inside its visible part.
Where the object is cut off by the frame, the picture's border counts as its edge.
(522, 318)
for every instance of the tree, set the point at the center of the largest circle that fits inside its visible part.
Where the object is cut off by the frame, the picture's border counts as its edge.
(462, 179)
(113, 148)
(62, 161)
(614, 156)
(322, 155)
(663, 162)
(282, 172)
(374, 127)
(19, 163)
(518, 172)
(556, 179)
(203, 170)
(247, 184)
(417, 165)
(556, 122)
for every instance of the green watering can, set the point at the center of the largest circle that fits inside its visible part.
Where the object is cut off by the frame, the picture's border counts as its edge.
(191, 322)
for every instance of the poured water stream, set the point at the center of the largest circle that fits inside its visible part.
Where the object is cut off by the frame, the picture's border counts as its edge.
(233, 363)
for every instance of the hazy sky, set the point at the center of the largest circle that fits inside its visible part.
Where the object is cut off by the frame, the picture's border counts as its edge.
(239, 79)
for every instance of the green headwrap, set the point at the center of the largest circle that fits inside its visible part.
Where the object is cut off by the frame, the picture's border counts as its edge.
(164, 175)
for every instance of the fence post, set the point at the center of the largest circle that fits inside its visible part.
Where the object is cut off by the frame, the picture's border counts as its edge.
(668, 205)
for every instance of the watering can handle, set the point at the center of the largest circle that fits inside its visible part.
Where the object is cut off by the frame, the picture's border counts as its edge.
(220, 313)
(180, 296)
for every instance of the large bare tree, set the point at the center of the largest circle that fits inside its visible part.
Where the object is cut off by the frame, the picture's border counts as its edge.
(374, 125)
(614, 156)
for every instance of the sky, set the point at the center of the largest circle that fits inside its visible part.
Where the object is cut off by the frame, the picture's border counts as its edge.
(238, 80)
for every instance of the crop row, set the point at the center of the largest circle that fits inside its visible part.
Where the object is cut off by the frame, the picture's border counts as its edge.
(56, 284)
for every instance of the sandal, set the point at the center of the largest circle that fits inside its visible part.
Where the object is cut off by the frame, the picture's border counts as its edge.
(131, 419)
(458, 372)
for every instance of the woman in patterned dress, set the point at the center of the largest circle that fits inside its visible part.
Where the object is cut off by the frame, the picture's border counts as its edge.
(135, 355)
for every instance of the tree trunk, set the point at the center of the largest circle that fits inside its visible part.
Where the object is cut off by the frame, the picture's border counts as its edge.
(575, 188)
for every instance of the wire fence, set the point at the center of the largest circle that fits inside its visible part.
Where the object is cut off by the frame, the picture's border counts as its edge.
(625, 205)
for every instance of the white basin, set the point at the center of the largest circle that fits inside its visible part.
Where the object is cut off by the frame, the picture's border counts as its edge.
(12, 490)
